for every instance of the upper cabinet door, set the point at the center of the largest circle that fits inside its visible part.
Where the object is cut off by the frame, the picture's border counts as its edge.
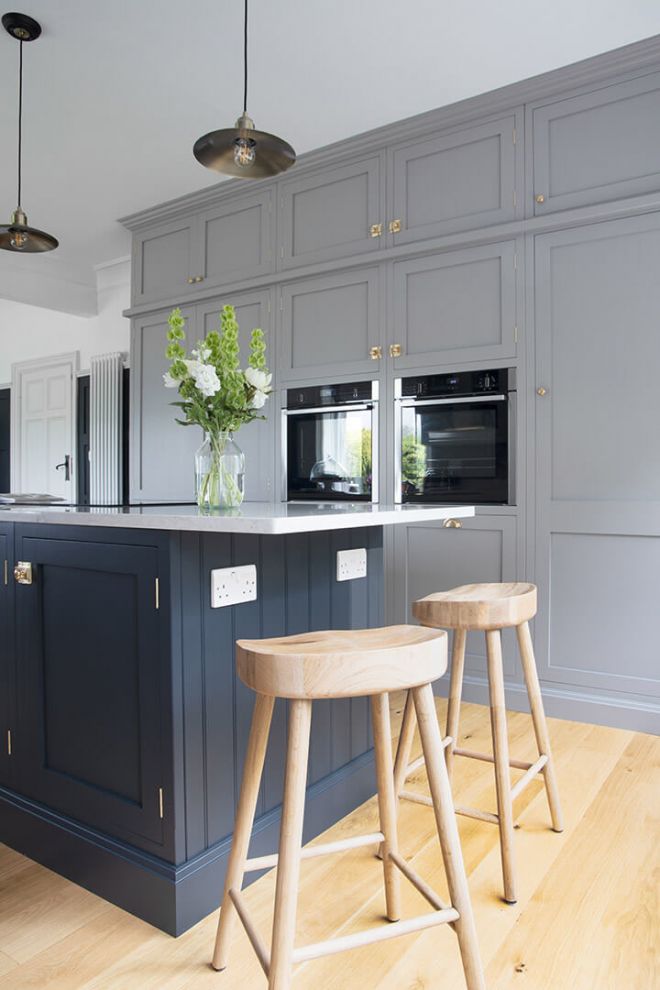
(456, 181)
(164, 259)
(237, 239)
(597, 147)
(455, 306)
(330, 326)
(332, 214)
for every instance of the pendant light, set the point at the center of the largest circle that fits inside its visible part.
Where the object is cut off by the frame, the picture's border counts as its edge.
(242, 150)
(18, 235)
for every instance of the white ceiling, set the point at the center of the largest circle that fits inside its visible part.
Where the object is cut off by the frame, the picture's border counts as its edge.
(117, 91)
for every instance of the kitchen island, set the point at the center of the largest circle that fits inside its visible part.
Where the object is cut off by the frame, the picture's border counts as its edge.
(122, 722)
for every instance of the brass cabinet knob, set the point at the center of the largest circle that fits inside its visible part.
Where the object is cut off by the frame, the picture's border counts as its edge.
(23, 572)
(540, 198)
(194, 279)
(453, 524)
(199, 278)
(191, 280)
(394, 226)
(541, 391)
(395, 350)
(376, 230)
(375, 353)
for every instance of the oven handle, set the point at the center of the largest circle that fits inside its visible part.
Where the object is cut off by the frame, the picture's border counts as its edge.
(325, 409)
(407, 403)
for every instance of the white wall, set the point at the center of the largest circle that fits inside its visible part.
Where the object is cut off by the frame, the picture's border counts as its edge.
(28, 332)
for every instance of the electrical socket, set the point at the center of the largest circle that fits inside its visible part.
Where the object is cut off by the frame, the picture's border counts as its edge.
(351, 564)
(233, 585)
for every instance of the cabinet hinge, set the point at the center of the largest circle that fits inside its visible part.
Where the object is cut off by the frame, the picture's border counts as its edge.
(8, 742)
(5, 572)
(157, 593)
(160, 802)
(515, 335)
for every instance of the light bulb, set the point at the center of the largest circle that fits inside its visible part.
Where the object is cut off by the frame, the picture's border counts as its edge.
(244, 153)
(18, 239)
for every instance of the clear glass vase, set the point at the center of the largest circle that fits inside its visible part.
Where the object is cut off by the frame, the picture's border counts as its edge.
(219, 472)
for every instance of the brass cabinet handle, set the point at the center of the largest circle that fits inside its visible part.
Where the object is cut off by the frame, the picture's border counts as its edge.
(540, 198)
(199, 278)
(396, 350)
(376, 230)
(394, 226)
(191, 280)
(541, 391)
(194, 279)
(23, 572)
(375, 353)
(452, 524)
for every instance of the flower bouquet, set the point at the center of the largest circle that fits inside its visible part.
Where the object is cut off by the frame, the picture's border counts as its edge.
(218, 396)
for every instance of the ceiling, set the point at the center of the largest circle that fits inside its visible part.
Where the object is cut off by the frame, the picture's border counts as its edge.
(117, 92)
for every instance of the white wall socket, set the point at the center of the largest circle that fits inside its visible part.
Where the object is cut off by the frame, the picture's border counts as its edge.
(351, 564)
(233, 585)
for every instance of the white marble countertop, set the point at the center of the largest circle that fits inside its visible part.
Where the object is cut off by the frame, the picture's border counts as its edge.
(264, 518)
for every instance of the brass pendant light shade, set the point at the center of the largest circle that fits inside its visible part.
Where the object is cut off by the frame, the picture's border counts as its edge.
(17, 235)
(243, 151)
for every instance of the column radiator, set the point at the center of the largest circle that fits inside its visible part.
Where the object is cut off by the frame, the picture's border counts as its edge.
(105, 429)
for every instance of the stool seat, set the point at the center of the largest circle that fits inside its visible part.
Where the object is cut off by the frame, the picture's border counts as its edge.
(343, 663)
(478, 606)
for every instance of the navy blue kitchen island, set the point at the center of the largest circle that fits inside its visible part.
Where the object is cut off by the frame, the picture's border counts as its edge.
(122, 724)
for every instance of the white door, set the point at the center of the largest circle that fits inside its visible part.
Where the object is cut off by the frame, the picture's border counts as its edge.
(43, 435)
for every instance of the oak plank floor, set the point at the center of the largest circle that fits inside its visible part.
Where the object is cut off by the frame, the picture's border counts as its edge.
(588, 914)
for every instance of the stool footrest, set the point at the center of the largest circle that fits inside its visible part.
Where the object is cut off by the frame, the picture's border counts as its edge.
(323, 849)
(355, 941)
(482, 816)
(417, 798)
(261, 952)
(532, 771)
(418, 882)
(488, 758)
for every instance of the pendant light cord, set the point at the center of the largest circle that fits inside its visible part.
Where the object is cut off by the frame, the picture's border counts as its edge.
(20, 118)
(245, 58)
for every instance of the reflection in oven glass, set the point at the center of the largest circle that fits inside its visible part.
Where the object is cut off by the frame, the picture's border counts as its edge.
(330, 455)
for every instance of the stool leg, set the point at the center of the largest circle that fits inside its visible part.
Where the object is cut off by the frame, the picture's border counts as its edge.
(455, 690)
(501, 756)
(452, 856)
(247, 803)
(380, 709)
(404, 745)
(288, 865)
(540, 724)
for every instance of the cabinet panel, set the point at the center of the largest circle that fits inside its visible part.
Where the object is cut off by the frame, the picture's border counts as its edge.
(236, 239)
(597, 457)
(598, 146)
(89, 683)
(429, 557)
(329, 215)
(7, 669)
(329, 324)
(163, 259)
(456, 181)
(455, 306)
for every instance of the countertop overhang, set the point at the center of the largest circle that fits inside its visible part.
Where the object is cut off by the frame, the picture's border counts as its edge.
(262, 518)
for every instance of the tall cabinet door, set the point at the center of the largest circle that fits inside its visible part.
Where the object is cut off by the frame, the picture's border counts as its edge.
(256, 439)
(7, 661)
(598, 456)
(89, 683)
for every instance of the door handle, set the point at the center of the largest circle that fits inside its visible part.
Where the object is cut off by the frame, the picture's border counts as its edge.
(66, 464)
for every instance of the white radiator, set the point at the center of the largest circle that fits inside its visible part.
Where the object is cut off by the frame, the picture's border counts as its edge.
(105, 429)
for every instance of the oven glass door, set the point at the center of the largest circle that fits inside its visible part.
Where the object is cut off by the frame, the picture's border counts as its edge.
(329, 454)
(455, 450)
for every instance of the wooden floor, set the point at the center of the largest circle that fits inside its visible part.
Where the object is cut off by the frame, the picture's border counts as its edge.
(588, 915)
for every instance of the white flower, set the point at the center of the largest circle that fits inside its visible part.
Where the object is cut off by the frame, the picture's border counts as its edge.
(203, 354)
(170, 382)
(192, 367)
(206, 379)
(258, 379)
(259, 399)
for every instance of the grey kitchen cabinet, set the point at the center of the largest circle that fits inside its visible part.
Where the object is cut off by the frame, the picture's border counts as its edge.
(7, 656)
(237, 239)
(597, 458)
(429, 557)
(166, 260)
(332, 213)
(596, 146)
(331, 325)
(457, 180)
(455, 306)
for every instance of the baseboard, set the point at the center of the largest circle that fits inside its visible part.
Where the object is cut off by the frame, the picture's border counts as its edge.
(571, 704)
(172, 898)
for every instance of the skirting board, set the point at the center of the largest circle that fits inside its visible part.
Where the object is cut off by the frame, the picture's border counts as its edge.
(575, 706)
(172, 898)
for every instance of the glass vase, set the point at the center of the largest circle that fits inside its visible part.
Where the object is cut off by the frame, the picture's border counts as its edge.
(219, 472)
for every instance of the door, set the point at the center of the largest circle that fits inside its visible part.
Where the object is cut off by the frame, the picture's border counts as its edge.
(89, 682)
(166, 261)
(597, 456)
(333, 214)
(7, 669)
(5, 439)
(331, 326)
(455, 306)
(43, 426)
(457, 180)
(237, 239)
(597, 146)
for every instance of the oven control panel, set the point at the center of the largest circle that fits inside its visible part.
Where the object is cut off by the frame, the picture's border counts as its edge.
(345, 393)
(491, 382)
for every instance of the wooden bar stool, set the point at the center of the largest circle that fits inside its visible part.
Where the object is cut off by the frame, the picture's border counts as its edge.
(336, 664)
(490, 607)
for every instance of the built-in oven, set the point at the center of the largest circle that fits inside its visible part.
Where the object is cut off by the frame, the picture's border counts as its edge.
(455, 437)
(330, 442)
